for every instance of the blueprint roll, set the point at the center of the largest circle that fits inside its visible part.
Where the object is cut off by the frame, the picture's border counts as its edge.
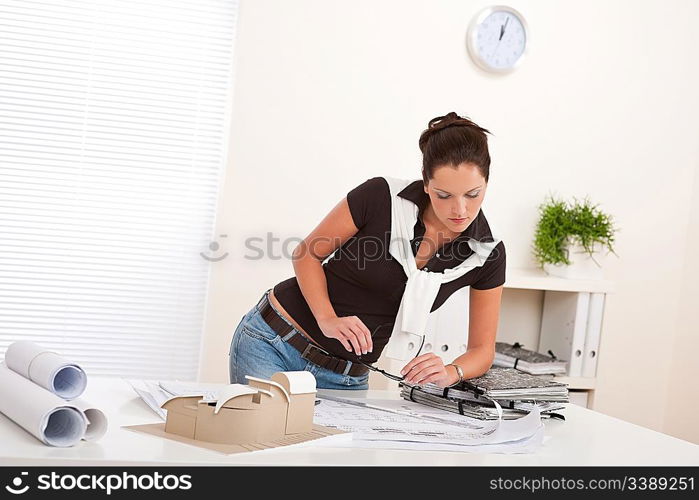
(46, 368)
(49, 418)
(96, 419)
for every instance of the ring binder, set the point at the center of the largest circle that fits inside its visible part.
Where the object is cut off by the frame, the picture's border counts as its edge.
(500, 393)
(528, 361)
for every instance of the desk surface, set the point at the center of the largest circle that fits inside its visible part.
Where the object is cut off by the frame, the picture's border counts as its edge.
(585, 438)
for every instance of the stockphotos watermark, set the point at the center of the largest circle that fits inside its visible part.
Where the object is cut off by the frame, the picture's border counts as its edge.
(106, 483)
(362, 250)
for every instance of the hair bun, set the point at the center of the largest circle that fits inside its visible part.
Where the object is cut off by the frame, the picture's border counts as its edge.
(449, 120)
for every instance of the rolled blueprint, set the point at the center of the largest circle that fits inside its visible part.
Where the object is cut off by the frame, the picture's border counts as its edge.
(51, 371)
(97, 420)
(41, 413)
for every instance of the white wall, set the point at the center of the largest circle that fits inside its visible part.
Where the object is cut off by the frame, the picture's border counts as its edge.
(681, 397)
(330, 93)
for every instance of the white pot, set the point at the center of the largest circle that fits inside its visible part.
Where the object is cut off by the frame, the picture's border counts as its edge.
(582, 267)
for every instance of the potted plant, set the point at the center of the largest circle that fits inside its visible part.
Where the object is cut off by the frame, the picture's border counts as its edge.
(570, 235)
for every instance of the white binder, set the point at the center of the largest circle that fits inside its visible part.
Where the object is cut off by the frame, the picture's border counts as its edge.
(563, 327)
(592, 337)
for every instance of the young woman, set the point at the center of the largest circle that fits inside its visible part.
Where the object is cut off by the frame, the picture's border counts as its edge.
(334, 318)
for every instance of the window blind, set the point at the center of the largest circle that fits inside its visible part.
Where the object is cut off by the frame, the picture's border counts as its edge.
(113, 129)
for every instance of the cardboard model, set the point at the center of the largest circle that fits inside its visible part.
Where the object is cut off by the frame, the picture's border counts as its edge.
(261, 411)
(262, 414)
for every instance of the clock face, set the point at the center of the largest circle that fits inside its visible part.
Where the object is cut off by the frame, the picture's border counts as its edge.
(497, 39)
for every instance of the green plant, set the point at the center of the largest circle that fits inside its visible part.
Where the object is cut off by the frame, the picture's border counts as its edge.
(562, 223)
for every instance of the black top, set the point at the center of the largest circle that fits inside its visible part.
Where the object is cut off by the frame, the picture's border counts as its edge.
(364, 279)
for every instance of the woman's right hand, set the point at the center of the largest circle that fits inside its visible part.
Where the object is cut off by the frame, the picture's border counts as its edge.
(350, 330)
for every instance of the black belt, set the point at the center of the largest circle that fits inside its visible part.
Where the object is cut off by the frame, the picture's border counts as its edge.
(308, 350)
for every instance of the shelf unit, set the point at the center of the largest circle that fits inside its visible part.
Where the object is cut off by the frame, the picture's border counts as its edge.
(571, 320)
(535, 306)
(562, 316)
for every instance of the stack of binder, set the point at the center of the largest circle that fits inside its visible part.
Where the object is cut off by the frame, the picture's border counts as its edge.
(535, 363)
(516, 392)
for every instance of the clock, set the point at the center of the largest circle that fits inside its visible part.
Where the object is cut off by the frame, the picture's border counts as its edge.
(497, 39)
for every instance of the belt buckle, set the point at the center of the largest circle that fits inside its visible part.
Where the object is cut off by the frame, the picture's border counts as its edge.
(311, 346)
(264, 298)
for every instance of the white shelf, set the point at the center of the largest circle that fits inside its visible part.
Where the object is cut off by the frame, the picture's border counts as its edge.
(536, 279)
(576, 382)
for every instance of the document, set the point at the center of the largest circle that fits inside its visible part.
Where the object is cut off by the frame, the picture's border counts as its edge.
(155, 393)
(403, 424)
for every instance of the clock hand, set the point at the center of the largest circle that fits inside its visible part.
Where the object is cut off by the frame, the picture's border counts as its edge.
(502, 28)
(497, 46)
(502, 32)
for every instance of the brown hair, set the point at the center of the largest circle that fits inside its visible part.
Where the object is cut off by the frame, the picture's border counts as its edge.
(452, 140)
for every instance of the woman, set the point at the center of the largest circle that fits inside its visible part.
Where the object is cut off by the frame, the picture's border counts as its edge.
(334, 318)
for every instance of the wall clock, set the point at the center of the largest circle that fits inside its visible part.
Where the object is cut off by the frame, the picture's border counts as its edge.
(497, 39)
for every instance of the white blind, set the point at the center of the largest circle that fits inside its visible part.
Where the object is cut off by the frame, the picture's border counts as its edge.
(113, 125)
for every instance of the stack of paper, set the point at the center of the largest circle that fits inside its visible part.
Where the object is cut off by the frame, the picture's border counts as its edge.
(40, 391)
(499, 393)
(515, 356)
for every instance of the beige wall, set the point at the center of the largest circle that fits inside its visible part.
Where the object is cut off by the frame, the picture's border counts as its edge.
(330, 93)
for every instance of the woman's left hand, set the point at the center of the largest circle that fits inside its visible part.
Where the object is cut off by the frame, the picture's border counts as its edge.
(427, 368)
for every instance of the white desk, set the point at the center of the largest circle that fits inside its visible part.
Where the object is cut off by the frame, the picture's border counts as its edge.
(585, 438)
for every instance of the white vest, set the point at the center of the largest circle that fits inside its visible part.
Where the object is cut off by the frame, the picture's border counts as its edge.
(422, 286)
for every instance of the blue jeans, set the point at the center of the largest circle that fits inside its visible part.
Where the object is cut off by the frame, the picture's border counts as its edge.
(258, 351)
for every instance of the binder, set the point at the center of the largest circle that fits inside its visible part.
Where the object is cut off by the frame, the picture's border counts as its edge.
(516, 393)
(528, 361)
(592, 336)
(564, 327)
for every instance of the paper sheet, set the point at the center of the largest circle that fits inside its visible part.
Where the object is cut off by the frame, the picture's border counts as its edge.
(152, 395)
(46, 368)
(49, 418)
(208, 391)
(526, 445)
(392, 423)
